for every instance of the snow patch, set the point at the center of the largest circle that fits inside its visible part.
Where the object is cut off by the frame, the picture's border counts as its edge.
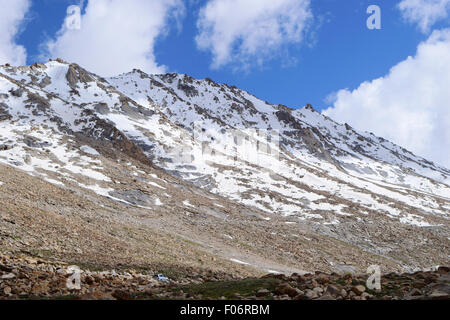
(89, 150)
(240, 262)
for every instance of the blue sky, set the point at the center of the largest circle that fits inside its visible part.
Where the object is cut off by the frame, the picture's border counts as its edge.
(341, 54)
(392, 82)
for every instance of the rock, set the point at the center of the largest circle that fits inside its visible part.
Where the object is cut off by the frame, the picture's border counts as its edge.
(314, 283)
(5, 268)
(262, 293)
(322, 279)
(297, 292)
(343, 293)
(4, 113)
(366, 295)
(414, 292)
(297, 278)
(4, 147)
(300, 297)
(27, 159)
(8, 276)
(7, 291)
(359, 289)
(89, 280)
(348, 276)
(319, 290)
(439, 295)
(40, 288)
(31, 260)
(60, 271)
(76, 74)
(419, 284)
(287, 289)
(443, 270)
(332, 290)
(310, 294)
(45, 82)
(17, 93)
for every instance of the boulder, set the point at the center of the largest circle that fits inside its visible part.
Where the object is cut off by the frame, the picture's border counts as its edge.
(17, 93)
(8, 276)
(287, 289)
(414, 293)
(332, 290)
(262, 293)
(4, 113)
(310, 294)
(439, 295)
(443, 270)
(359, 289)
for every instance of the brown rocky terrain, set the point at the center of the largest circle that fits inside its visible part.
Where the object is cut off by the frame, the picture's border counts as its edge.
(34, 278)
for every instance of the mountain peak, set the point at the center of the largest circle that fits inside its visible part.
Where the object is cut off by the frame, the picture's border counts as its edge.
(309, 107)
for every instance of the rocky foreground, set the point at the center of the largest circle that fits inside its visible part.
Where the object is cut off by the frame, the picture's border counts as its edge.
(34, 278)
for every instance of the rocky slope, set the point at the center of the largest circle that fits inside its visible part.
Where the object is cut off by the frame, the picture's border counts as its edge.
(165, 171)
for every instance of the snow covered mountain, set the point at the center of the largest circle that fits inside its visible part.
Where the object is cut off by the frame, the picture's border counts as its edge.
(267, 162)
(320, 168)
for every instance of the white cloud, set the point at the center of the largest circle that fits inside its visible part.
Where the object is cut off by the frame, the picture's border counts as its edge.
(12, 14)
(424, 12)
(117, 36)
(248, 31)
(410, 106)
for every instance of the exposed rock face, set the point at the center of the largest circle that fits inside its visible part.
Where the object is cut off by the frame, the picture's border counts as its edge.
(189, 90)
(4, 113)
(45, 82)
(105, 131)
(17, 92)
(102, 108)
(76, 74)
(41, 104)
(33, 142)
(286, 117)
